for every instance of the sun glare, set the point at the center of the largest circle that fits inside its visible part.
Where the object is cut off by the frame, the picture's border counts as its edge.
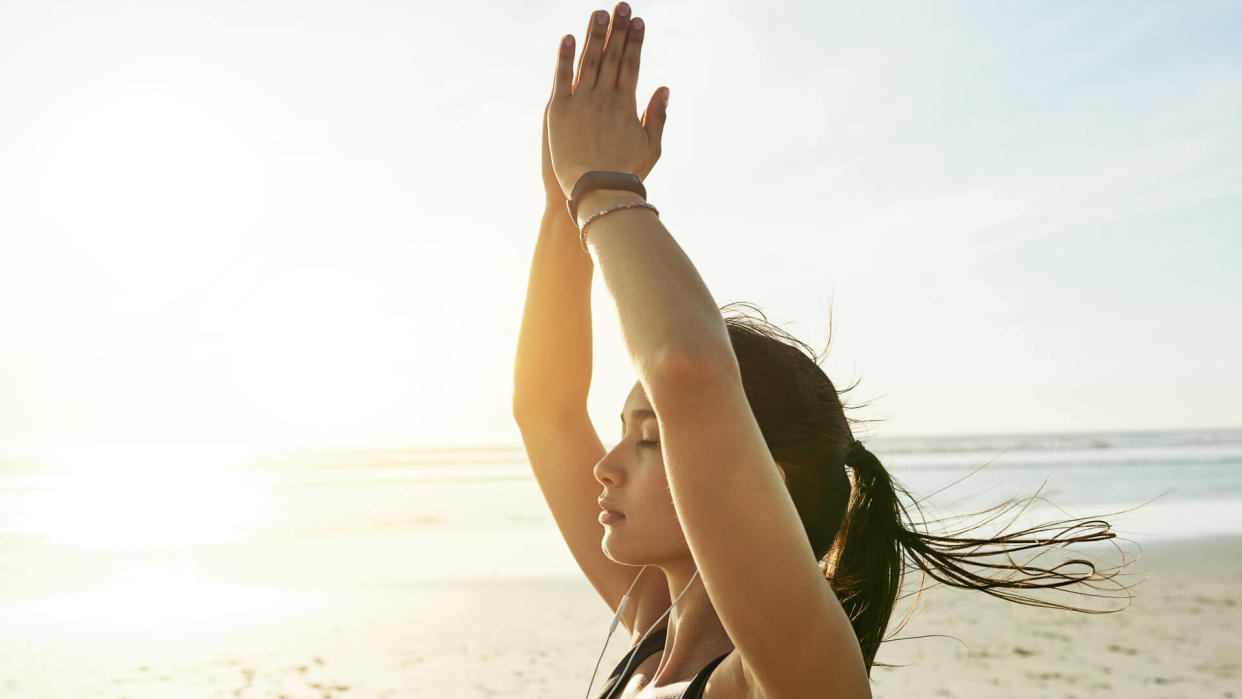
(135, 496)
(153, 602)
(133, 161)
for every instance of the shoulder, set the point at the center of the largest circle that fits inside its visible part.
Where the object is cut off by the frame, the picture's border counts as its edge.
(729, 680)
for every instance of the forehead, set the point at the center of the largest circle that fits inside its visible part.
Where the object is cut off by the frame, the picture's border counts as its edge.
(637, 397)
(637, 408)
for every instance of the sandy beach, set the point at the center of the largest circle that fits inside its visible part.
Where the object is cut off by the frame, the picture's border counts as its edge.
(540, 638)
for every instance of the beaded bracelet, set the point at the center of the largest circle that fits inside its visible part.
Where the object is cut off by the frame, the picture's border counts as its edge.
(592, 217)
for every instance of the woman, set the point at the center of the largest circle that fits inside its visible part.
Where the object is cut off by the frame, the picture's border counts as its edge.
(767, 569)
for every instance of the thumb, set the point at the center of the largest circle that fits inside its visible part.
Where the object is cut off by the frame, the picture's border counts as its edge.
(562, 85)
(656, 115)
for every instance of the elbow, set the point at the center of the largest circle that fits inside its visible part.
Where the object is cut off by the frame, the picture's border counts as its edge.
(695, 365)
(680, 375)
(530, 411)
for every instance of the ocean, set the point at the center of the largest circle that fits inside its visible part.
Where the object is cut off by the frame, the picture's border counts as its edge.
(375, 517)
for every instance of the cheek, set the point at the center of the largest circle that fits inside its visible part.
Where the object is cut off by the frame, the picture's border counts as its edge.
(667, 508)
(657, 496)
(658, 486)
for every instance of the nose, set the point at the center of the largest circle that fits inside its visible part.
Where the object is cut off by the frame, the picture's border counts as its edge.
(607, 471)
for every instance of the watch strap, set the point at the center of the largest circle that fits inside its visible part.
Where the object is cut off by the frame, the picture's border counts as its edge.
(602, 179)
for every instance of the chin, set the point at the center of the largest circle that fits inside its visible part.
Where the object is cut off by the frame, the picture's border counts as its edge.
(615, 549)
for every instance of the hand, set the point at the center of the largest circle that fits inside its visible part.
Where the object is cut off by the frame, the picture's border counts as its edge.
(591, 122)
(551, 187)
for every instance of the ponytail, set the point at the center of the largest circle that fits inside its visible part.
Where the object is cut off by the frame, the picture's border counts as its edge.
(868, 569)
(874, 545)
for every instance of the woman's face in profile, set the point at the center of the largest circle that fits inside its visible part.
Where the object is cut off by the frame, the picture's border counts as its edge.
(634, 482)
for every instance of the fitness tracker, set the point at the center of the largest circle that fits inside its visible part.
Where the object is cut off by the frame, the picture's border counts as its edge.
(602, 179)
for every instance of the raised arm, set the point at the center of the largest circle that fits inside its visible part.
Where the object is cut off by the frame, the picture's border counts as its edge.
(552, 370)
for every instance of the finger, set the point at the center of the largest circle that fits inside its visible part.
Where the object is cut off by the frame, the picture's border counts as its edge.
(655, 117)
(614, 47)
(544, 123)
(627, 81)
(562, 83)
(592, 48)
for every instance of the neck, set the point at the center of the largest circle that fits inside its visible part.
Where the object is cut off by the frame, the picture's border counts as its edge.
(695, 635)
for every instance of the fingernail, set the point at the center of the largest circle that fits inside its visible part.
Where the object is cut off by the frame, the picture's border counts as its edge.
(637, 24)
(623, 10)
(601, 18)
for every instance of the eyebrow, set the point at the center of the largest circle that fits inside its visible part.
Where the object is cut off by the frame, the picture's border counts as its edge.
(638, 413)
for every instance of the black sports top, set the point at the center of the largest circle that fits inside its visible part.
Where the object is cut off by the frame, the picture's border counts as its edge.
(645, 649)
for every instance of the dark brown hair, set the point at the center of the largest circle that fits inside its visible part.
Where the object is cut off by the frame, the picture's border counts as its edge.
(858, 528)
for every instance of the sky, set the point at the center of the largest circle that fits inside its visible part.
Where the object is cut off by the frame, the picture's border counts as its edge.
(304, 225)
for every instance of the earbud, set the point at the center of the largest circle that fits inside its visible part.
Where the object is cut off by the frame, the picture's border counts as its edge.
(617, 617)
(620, 607)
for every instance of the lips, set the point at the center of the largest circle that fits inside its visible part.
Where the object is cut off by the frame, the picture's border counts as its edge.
(608, 507)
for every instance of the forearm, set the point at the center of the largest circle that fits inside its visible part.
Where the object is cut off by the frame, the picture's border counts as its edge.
(552, 369)
(664, 306)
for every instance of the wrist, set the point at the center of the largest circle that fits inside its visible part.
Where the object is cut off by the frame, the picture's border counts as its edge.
(597, 200)
(551, 204)
(557, 214)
